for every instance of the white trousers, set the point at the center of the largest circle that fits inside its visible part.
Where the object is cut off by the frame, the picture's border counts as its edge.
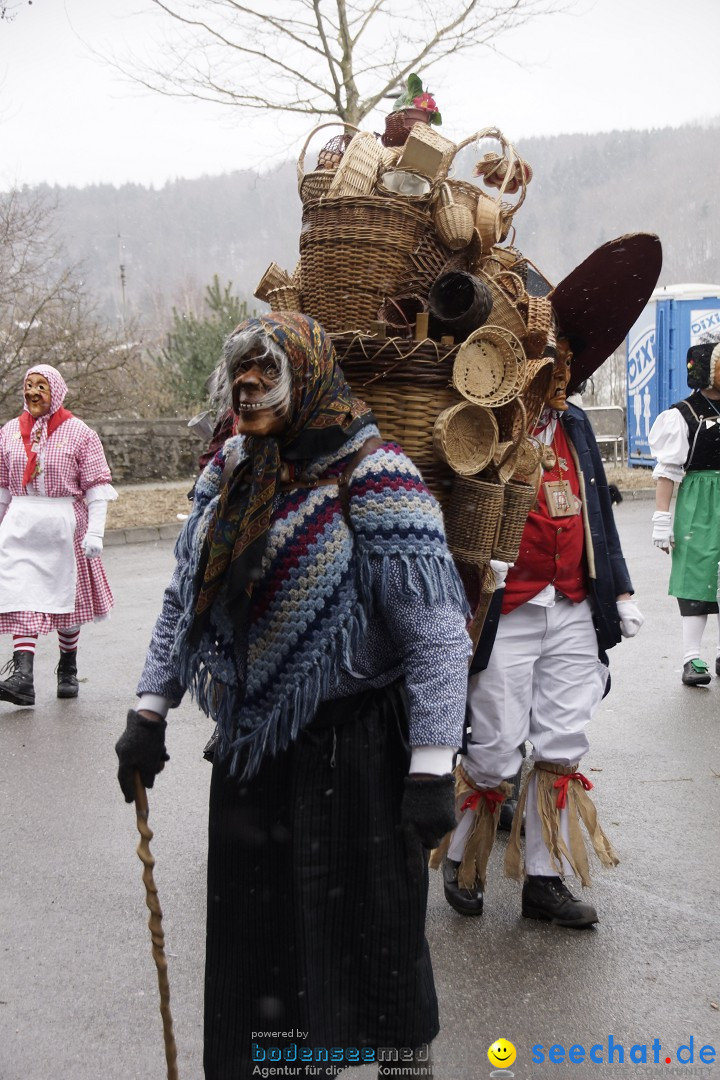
(543, 684)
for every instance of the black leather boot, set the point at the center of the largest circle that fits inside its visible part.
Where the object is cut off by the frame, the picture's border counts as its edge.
(550, 899)
(19, 688)
(67, 683)
(464, 901)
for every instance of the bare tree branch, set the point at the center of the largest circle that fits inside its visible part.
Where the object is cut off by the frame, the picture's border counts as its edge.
(319, 57)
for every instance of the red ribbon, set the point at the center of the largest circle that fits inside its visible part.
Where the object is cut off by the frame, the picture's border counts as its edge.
(26, 425)
(493, 799)
(562, 785)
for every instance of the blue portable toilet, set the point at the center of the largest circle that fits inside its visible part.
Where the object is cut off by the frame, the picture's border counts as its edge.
(676, 317)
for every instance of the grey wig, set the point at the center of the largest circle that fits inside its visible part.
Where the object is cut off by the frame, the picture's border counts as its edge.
(237, 346)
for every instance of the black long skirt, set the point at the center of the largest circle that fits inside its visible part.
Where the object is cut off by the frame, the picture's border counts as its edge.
(317, 898)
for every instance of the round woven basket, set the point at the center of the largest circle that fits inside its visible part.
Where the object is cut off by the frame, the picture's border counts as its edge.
(453, 222)
(353, 252)
(465, 436)
(527, 460)
(405, 184)
(490, 367)
(459, 303)
(518, 501)
(471, 518)
(534, 392)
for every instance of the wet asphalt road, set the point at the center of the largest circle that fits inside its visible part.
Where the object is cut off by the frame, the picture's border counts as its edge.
(78, 990)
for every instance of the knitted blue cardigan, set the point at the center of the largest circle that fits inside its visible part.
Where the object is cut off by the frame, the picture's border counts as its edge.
(309, 609)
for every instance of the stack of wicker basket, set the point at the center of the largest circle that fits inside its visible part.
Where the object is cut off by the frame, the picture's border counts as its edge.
(383, 231)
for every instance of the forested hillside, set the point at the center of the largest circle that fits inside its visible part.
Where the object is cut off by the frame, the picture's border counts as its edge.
(586, 189)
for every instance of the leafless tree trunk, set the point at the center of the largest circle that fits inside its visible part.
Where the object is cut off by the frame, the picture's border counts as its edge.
(319, 57)
(46, 318)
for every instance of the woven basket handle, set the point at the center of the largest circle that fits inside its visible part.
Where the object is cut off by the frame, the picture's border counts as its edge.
(303, 152)
(514, 443)
(508, 151)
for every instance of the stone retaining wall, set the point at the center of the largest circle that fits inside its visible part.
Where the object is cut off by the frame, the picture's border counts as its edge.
(142, 450)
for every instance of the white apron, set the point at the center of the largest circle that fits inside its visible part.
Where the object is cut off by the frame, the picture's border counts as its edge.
(37, 556)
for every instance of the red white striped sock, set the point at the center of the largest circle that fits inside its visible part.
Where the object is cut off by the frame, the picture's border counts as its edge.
(68, 638)
(24, 642)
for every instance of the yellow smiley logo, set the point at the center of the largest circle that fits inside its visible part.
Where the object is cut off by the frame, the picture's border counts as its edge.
(502, 1053)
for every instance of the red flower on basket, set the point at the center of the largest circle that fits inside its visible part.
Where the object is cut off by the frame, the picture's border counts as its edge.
(425, 101)
(414, 97)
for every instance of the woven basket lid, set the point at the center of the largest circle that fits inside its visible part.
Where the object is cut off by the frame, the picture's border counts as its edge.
(598, 302)
(490, 366)
(465, 437)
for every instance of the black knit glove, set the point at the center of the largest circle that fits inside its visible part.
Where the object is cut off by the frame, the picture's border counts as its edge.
(141, 746)
(427, 813)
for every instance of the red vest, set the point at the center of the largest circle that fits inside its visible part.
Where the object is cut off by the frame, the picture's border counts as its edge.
(552, 550)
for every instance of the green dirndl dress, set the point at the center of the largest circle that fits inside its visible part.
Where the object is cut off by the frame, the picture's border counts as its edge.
(695, 557)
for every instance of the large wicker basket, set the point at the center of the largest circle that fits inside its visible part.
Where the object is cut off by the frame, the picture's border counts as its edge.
(518, 501)
(471, 518)
(406, 384)
(353, 252)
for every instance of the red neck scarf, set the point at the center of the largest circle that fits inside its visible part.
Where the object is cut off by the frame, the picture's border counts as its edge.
(26, 425)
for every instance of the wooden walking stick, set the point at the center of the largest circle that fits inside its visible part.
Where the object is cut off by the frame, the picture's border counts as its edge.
(155, 923)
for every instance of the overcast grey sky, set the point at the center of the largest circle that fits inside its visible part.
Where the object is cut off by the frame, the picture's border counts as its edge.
(68, 118)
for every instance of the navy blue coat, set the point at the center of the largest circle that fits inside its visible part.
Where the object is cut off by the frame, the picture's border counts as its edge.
(610, 577)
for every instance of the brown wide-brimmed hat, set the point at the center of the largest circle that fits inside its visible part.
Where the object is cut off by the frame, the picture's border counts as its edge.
(598, 302)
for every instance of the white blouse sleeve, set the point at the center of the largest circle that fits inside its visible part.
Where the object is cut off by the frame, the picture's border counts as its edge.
(670, 445)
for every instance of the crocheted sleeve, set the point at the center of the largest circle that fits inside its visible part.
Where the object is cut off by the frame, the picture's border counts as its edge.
(401, 547)
(159, 675)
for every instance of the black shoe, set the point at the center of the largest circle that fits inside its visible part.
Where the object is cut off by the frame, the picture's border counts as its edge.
(549, 898)
(67, 683)
(19, 688)
(717, 665)
(464, 901)
(696, 673)
(507, 813)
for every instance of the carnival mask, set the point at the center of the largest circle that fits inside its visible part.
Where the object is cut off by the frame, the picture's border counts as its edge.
(560, 377)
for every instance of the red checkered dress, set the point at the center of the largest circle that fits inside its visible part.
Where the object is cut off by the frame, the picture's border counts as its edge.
(74, 462)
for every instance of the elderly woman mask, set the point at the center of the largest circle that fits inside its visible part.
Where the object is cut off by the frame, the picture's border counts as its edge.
(38, 395)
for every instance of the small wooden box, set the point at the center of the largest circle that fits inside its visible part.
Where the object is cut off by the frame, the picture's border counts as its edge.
(426, 152)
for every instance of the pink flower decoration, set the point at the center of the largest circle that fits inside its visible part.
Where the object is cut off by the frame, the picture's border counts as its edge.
(425, 101)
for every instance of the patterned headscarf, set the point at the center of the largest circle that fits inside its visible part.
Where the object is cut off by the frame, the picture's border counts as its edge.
(35, 430)
(323, 415)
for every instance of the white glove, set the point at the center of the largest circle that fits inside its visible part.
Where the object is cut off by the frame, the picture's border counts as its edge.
(92, 541)
(500, 571)
(92, 545)
(631, 618)
(662, 534)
